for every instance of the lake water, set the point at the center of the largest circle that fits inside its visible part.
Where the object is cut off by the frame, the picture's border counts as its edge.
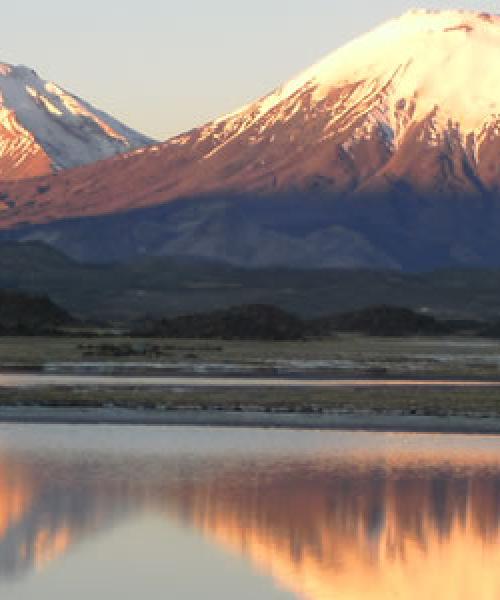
(187, 513)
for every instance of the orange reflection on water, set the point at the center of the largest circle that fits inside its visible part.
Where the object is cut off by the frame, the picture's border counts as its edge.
(15, 498)
(368, 535)
(18, 496)
(49, 545)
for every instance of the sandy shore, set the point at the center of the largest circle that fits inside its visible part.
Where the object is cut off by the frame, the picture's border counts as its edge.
(247, 418)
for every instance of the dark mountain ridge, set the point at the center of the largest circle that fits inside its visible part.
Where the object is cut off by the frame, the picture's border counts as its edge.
(164, 287)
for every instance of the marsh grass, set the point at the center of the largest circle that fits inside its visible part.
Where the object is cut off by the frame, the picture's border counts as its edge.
(433, 401)
(460, 357)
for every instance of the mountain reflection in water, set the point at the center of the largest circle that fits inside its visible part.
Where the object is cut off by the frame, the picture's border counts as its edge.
(410, 519)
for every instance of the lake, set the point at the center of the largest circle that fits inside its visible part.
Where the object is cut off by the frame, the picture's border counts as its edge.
(188, 513)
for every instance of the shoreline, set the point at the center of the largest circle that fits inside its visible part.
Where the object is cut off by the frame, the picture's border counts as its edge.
(247, 418)
(46, 380)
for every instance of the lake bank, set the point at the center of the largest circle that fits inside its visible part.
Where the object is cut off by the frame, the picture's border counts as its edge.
(246, 418)
(296, 406)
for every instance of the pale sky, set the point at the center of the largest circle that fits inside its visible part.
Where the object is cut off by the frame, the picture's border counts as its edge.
(165, 66)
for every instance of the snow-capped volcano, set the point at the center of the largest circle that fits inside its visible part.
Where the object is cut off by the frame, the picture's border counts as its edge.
(424, 59)
(395, 135)
(43, 128)
(428, 81)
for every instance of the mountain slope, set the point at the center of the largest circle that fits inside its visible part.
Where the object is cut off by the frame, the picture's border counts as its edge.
(43, 128)
(389, 146)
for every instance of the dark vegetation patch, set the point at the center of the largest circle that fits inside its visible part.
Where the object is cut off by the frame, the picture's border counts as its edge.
(123, 350)
(490, 330)
(247, 322)
(23, 314)
(141, 350)
(390, 321)
(264, 322)
(26, 314)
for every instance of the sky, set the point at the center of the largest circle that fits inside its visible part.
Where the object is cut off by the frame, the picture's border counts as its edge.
(165, 66)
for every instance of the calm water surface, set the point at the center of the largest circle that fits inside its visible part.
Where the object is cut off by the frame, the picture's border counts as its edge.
(186, 513)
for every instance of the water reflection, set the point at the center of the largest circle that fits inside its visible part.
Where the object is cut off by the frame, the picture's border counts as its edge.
(425, 535)
(336, 515)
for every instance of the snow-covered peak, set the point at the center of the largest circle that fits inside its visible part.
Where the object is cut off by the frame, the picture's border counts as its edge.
(432, 51)
(18, 71)
(444, 60)
(39, 117)
(398, 40)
